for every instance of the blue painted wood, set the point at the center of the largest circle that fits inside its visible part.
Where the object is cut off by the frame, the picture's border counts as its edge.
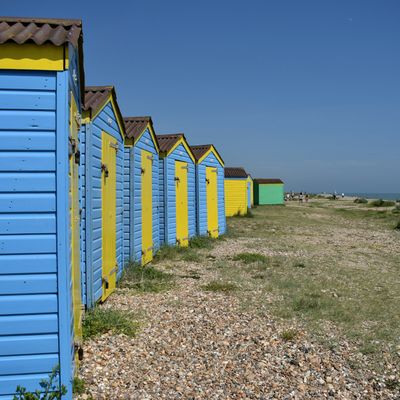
(27, 182)
(27, 202)
(27, 264)
(11, 223)
(28, 304)
(28, 344)
(27, 161)
(25, 244)
(29, 120)
(28, 364)
(28, 284)
(9, 383)
(27, 140)
(28, 324)
(34, 80)
(27, 100)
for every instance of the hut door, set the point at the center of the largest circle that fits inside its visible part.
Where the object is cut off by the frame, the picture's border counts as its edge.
(147, 207)
(212, 201)
(181, 192)
(108, 213)
(248, 194)
(74, 219)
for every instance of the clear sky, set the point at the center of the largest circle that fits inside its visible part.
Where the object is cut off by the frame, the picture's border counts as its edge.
(304, 90)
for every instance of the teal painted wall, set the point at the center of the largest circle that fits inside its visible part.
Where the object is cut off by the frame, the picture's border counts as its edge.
(269, 193)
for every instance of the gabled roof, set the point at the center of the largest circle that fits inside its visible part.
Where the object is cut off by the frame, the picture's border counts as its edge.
(201, 150)
(136, 126)
(168, 143)
(267, 180)
(96, 97)
(235, 172)
(42, 31)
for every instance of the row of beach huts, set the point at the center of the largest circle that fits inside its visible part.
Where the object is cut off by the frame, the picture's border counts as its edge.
(84, 191)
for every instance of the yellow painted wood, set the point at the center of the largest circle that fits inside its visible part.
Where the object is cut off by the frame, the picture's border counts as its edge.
(74, 221)
(183, 142)
(212, 201)
(235, 197)
(108, 214)
(205, 155)
(181, 203)
(147, 207)
(46, 57)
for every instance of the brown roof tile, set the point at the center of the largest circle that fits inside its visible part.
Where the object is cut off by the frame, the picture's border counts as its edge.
(267, 180)
(40, 30)
(235, 172)
(201, 149)
(167, 142)
(136, 125)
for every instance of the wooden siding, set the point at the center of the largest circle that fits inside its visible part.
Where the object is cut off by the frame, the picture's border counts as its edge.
(235, 196)
(210, 161)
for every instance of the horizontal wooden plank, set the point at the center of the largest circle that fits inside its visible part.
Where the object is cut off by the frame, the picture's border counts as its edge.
(27, 100)
(28, 324)
(27, 263)
(9, 383)
(28, 364)
(28, 344)
(27, 161)
(27, 244)
(27, 202)
(27, 120)
(27, 223)
(27, 182)
(28, 304)
(27, 140)
(28, 284)
(28, 80)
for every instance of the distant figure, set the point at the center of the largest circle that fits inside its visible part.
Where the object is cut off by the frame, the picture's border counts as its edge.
(342, 195)
(301, 197)
(306, 197)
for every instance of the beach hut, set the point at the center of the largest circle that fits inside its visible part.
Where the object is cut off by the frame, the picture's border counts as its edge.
(250, 192)
(41, 82)
(141, 191)
(177, 182)
(236, 191)
(101, 187)
(268, 191)
(210, 203)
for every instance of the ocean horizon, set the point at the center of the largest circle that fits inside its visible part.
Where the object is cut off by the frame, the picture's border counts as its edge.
(383, 196)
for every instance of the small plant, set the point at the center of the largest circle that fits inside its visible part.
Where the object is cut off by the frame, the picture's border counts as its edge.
(307, 303)
(217, 286)
(299, 265)
(201, 242)
(397, 226)
(288, 335)
(168, 252)
(101, 320)
(396, 209)
(249, 258)
(392, 384)
(382, 203)
(50, 389)
(361, 200)
(78, 386)
(146, 279)
(248, 214)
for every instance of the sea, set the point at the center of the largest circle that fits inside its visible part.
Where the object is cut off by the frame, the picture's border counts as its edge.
(383, 196)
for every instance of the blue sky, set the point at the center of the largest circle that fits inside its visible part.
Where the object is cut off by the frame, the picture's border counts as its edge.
(304, 90)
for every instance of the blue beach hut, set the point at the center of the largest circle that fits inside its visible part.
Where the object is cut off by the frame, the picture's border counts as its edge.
(101, 189)
(41, 82)
(210, 199)
(177, 190)
(141, 190)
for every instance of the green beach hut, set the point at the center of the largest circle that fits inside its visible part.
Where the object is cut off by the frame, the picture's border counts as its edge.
(268, 191)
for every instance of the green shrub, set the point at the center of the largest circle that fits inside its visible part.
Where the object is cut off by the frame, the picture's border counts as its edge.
(217, 286)
(248, 258)
(50, 389)
(201, 242)
(361, 200)
(78, 386)
(382, 203)
(289, 335)
(101, 320)
(146, 279)
(397, 226)
(396, 209)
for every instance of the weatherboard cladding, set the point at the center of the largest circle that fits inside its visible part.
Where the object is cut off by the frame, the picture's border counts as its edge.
(36, 321)
(167, 188)
(210, 161)
(133, 189)
(105, 121)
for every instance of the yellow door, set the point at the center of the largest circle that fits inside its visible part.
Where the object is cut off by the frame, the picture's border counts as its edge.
(212, 201)
(147, 207)
(181, 193)
(108, 213)
(74, 221)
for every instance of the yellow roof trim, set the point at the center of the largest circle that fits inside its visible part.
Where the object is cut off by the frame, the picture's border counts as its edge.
(152, 134)
(214, 151)
(182, 141)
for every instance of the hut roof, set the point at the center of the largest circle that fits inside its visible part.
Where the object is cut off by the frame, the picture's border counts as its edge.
(135, 126)
(235, 172)
(267, 180)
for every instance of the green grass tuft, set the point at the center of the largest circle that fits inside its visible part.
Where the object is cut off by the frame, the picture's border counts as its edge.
(382, 203)
(288, 335)
(217, 286)
(249, 258)
(397, 226)
(146, 279)
(361, 200)
(78, 386)
(101, 320)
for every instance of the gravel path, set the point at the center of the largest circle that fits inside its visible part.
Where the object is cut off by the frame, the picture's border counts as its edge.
(201, 345)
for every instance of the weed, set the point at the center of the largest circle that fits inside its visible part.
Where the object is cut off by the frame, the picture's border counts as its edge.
(307, 303)
(248, 258)
(201, 242)
(101, 320)
(78, 386)
(361, 200)
(146, 279)
(382, 203)
(392, 384)
(288, 335)
(169, 253)
(217, 286)
(299, 265)
(396, 209)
